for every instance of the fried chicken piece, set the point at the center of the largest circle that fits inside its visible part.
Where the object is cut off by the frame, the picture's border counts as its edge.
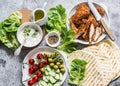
(78, 31)
(93, 20)
(91, 33)
(82, 11)
(73, 26)
(85, 36)
(81, 30)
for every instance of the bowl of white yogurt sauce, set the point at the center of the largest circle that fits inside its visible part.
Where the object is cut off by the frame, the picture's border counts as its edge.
(29, 34)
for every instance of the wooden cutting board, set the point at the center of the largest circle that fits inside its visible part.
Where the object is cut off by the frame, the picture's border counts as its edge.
(26, 15)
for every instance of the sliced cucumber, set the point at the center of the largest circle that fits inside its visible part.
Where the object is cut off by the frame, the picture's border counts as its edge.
(48, 68)
(57, 71)
(48, 78)
(49, 84)
(45, 79)
(52, 80)
(57, 84)
(43, 83)
(39, 83)
(61, 76)
(52, 73)
(46, 73)
(57, 76)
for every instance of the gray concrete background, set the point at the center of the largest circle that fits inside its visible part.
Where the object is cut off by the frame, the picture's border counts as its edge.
(10, 66)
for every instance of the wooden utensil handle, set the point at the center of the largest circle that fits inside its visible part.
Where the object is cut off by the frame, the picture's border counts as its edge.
(107, 30)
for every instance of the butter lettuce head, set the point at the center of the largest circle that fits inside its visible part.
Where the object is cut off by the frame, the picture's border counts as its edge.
(8, 29)
(56, 19)
(77, 71)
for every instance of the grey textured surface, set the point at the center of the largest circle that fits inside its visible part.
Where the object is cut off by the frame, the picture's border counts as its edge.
(10, 66)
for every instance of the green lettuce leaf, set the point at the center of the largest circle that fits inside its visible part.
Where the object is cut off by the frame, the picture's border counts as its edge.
(8, 29)
(77, 71)
(57, 22)
(56, 19)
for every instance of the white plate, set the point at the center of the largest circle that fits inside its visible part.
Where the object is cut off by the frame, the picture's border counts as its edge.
(105, 17)
(33, 53)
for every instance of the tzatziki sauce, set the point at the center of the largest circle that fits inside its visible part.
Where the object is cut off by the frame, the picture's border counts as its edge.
(30, 36)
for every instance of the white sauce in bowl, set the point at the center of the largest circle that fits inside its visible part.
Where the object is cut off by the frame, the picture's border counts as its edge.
(30, 35)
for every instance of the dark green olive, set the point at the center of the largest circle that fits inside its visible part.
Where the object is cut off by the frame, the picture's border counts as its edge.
(61, 61)
(46, 55)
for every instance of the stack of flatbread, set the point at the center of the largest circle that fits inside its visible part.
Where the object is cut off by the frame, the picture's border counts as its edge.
(103, 63)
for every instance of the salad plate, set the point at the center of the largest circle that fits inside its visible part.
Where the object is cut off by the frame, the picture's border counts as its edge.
(105, 17)
(32, 55)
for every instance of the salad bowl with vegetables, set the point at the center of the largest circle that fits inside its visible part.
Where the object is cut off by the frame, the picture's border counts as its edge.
(44, 66)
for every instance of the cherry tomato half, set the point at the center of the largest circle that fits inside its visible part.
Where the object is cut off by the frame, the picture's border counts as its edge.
(39, 74)
(31, 71)
(35, 67)
(45, 61)
(41, 65)
(35, 79)
(31, 61)
(30, 82)
(40, 56)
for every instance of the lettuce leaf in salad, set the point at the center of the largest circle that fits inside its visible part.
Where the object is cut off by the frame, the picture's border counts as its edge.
(77, 71)
(8, 29)
(57, 22)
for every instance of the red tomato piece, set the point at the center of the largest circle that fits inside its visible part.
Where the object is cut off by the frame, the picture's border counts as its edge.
(35, 79)
(39, 74)
(31, 61)
(30, 82)
(31, 71)
(35, 67)
(40, 56)
(41, 65)
(45, 61)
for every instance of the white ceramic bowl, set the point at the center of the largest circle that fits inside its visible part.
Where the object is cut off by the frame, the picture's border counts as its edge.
(105, 17)
(52, 34)
(33, 53)
(41, 21)
(21, 39)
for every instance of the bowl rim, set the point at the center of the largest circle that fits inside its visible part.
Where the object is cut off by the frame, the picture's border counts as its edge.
(32, 24)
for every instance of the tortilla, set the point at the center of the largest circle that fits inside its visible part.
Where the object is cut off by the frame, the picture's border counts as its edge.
(103, 63)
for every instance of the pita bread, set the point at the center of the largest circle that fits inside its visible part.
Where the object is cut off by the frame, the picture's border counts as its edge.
(109, 50)
(103, 63)
(93, 75)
